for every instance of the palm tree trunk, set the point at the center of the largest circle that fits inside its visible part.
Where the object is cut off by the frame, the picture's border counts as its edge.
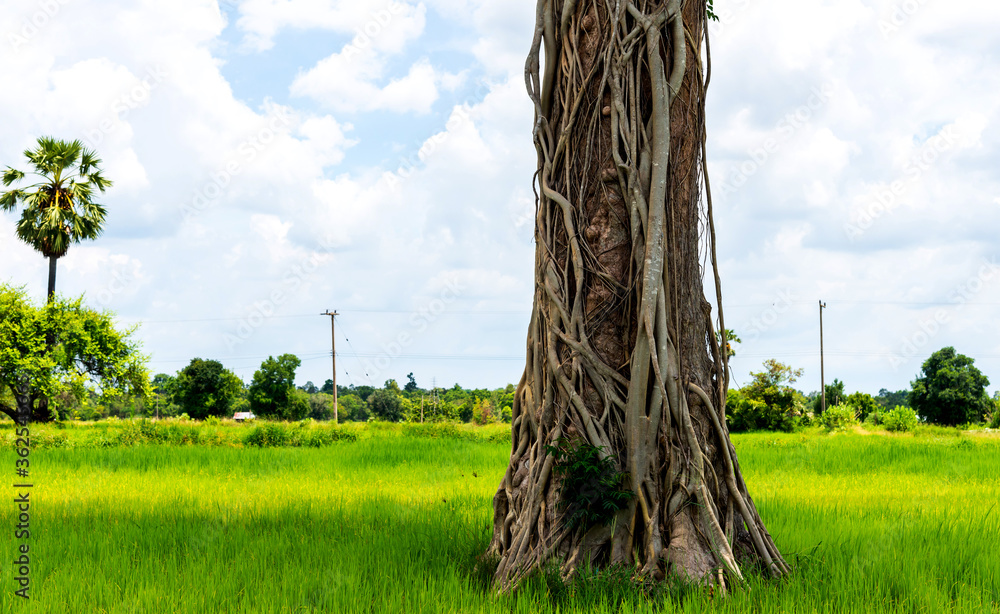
(52, 278)
(39, 410)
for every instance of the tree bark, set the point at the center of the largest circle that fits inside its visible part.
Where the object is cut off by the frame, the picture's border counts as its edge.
(621, 349)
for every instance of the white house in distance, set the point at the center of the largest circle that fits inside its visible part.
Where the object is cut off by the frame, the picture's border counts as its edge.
(240, 416)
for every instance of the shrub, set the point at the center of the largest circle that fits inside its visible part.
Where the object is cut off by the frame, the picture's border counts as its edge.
(144, 431)
(747, 414)
(864, 404)
(50, 440)
(266, 436)
(900, 419)
(838, 417)
(591, 492)
(275, 435)
(483, 412)
(444, 430)
(385, 405)
(500, 437)
(995, 423)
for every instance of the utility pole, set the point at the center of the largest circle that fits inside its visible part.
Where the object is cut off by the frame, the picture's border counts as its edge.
(333, 337)
(822, 379)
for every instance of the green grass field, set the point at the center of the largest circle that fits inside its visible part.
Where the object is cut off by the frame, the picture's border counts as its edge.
(393, 521)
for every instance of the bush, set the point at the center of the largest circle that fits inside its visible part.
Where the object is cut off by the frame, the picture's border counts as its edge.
(746, 414)
(863, 404)
(899, 419)
(838, 417)
(995, 423)
(591, 492)
(483, 412)
(276, 435)
(267, 436)
(144, 431)
(443, 430)
(385, 405)
(50, 440)
(500, 437)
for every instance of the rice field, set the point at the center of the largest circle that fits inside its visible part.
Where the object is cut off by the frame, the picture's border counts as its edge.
(393, 521)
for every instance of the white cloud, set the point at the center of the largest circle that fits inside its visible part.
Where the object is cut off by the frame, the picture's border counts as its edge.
(308, 216)
(388, 23)
(347, 81)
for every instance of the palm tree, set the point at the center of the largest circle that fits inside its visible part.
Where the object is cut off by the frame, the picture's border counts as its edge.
(58, 210)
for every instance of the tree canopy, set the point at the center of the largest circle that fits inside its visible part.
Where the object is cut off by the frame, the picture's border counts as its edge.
(385, 404)
(834, 396)
(42, 348)
(271, 391)
(205, 388)
(768, 402)
(59, 208)
(950, 390)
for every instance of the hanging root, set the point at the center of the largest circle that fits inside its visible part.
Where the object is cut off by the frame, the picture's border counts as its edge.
(621, 348)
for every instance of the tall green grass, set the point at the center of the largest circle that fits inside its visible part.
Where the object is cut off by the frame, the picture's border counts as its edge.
(393, 522)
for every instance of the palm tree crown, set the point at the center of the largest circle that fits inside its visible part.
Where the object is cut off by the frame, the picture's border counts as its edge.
(58, 210)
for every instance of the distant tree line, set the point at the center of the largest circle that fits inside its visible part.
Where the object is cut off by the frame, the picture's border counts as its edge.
(205, 388)
(950, 391)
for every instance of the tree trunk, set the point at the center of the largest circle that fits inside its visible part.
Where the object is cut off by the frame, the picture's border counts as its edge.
(52, 278)
(25, 408)
(621, 350)
(39, 409)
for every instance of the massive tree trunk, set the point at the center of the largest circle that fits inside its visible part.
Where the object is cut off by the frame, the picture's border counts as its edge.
(621, 351)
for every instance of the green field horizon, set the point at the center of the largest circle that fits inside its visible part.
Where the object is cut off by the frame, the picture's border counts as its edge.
(394, 520)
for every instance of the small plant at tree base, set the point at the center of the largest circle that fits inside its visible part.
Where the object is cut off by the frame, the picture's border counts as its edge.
(900, 419)
(838, 417)
(591, 491)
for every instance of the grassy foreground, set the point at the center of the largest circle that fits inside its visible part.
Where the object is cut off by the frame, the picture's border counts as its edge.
(392, 522)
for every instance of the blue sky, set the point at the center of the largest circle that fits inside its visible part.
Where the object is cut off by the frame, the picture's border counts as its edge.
(266, 172)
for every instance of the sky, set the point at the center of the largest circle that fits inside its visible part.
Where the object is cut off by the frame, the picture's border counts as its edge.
(276, 159)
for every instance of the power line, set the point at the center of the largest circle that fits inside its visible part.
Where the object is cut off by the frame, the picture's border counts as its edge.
(355, 353)
(284, 317)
